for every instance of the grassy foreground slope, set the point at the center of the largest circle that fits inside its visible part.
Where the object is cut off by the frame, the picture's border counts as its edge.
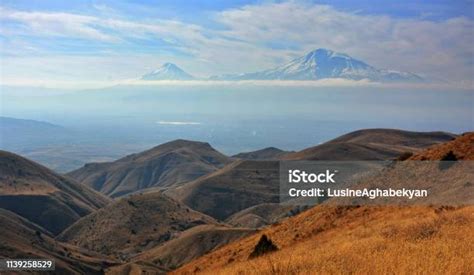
(358, 240)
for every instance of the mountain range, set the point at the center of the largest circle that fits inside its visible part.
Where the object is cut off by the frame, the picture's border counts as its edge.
(315, 65)
(212, 221)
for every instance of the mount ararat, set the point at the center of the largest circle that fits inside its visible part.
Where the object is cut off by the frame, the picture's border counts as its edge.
(315, 65)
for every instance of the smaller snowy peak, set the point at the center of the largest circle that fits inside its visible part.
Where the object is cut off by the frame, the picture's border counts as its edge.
(168, 71)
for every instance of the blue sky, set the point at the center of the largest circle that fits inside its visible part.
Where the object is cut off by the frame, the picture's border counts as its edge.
(99, 41)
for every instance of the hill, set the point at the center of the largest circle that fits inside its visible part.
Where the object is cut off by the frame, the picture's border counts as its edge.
(21, 239)
(371, 144)
(168, 164)
(237, 186)
(190, 245)
(42, 196)
(269, 153)
(462, 148)
(133, 224)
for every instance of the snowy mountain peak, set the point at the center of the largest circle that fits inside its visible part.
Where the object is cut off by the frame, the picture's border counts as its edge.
(324, 63)
(168, 71)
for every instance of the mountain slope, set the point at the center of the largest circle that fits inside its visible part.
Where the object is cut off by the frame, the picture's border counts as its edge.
(21, 239)
(324, 63)
(168, 164)
(168, 71)
(43, 197)
(371, 144)
(190, 245)
(462, 147)
(133, 224)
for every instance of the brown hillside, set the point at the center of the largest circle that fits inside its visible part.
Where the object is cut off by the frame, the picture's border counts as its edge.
(191, 244)
(133, 224)
(42, 196)
(371, 144)
(237, 186)
(21, 239)
(168, 164)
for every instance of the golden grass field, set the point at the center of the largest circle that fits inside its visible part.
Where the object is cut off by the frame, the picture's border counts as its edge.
(356, 240)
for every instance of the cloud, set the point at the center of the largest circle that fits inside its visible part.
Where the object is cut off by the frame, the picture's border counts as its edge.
(72, 86)
(178, 123)
(56, 24)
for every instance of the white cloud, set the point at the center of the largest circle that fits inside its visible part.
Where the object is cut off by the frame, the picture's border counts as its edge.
(178, 123)
(56, 24)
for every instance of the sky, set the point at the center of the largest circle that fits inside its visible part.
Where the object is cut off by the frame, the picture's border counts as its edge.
(96, 42)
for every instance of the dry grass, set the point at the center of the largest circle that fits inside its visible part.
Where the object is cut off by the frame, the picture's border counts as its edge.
(462, 147)
(364, 240)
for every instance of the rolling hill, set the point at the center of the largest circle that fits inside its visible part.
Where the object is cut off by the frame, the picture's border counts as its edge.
(371, 144)
(190, 245)
(42, 196)
(269, 153)
(168, 164)
(20, 239)
(239, 185)
(247, 183)
(134, 224)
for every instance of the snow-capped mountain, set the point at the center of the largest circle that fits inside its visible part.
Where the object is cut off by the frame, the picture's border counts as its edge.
(324, 63)
(168, 71)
